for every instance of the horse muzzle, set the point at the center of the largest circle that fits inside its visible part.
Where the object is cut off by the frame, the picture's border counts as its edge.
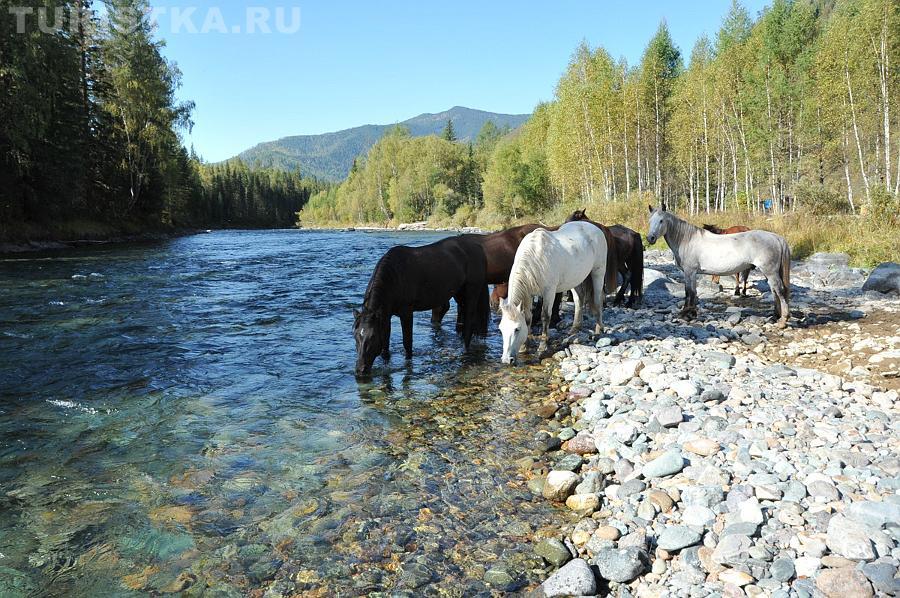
(651, 240)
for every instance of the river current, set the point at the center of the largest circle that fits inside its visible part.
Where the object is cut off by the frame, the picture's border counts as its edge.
(183, 417)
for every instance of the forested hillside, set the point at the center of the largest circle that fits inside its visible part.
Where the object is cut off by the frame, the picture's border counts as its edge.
(330, 156)
(799, 106)
(89, 134)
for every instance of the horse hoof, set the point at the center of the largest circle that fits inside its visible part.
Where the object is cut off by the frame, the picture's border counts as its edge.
(541, 348)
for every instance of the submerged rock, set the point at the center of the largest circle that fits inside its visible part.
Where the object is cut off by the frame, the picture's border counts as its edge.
(553, 551)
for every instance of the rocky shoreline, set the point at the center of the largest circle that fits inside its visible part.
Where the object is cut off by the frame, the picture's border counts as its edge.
(699, 459)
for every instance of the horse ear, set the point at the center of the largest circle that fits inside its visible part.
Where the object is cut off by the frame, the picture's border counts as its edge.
(663, 206)
(504, 304)
(355, 313)
(650, 208)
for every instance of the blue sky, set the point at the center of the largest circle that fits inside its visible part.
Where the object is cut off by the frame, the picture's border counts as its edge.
(352, 63)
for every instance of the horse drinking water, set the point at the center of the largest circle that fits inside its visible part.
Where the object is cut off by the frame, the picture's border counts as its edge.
(698, 251)
(410, 279)
(546, 263)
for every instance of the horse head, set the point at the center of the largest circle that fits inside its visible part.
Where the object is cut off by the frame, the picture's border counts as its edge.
(578, 215)
(514, 328)
(659, 219)
(369, 331)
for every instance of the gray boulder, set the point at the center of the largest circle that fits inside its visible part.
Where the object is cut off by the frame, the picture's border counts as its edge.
(575, 579)
(658, 284)
(884, 279)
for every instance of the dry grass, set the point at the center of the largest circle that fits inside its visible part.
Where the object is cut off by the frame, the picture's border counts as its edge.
(868, 241)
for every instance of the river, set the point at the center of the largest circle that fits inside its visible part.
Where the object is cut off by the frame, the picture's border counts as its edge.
(183, 416)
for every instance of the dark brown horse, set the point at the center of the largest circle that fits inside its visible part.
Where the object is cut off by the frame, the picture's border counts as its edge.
(411, 279)
(629, 258)
(499, 251)
(745, 275)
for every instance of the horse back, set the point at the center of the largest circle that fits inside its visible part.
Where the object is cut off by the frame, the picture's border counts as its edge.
(613, 256)
(420, 278)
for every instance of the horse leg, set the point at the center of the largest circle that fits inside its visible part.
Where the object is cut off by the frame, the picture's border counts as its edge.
(596, 278)
(578, 297)
(554, 314)
(461, 314)
(620, 296)
(406, 323)
(546, 313)
(717, 281)
(690, 295)
(438, 313)
(737, 284)
(779, 295)
(386, 335)
(471, 302)
(746, 276)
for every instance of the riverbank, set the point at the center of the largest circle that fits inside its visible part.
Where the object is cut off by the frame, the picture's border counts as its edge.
(32, 237)
(724, 455)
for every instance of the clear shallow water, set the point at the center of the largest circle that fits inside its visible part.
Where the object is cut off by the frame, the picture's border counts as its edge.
(183, 417)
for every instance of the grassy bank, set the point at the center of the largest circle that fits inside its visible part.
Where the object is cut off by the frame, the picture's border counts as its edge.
(869, 240)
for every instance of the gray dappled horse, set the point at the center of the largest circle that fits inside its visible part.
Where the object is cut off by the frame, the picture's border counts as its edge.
(698, 251)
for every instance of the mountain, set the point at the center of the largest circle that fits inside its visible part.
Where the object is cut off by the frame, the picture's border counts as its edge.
(330, 155)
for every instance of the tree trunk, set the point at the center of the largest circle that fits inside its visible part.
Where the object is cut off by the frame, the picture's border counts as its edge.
(657, 139)
(862, 166)
(625, 136)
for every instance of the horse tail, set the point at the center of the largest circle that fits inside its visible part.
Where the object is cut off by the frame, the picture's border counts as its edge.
(637, 276)
(612, 263)
(786, 268)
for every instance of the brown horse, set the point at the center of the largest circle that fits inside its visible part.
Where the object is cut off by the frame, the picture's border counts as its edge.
(499, 250)
(745, 275)
(629, 256)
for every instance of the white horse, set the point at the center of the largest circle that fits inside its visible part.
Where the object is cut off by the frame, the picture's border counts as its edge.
(698, 251)
(546, 263)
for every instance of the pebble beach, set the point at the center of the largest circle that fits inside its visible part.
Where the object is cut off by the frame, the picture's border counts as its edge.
(723, 456)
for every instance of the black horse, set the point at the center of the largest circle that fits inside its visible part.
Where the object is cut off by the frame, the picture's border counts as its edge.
(410, 279)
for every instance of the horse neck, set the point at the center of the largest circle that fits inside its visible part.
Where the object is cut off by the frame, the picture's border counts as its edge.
(678, 232)
(522, 282)
(379, 297)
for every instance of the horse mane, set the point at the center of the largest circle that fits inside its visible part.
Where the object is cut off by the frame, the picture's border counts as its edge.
(713, 228)
(529, 270)
(679, 229)
(385, 276)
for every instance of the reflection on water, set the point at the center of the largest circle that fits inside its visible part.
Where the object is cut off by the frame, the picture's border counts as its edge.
(182, 417)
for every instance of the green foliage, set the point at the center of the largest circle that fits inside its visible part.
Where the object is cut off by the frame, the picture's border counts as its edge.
(820, 200)
(234, 195)
(402, 179)
(89, 136)
(330, 156)
(448, 133)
